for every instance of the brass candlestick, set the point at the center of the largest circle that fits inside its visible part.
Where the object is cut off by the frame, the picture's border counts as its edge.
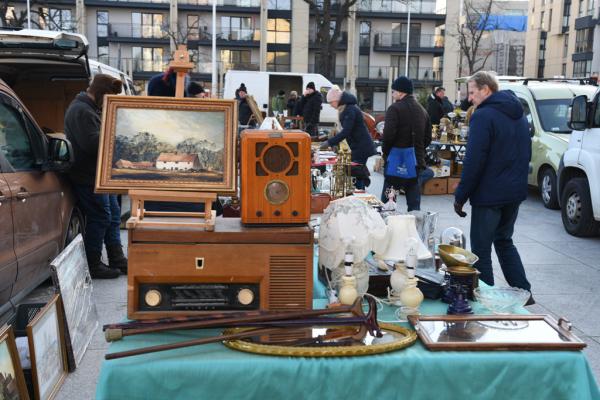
(341, 185)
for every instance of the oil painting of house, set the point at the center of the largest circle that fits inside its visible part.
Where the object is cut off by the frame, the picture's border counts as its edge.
(178, 162)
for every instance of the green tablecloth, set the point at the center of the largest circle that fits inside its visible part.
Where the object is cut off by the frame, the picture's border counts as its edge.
(215, 372)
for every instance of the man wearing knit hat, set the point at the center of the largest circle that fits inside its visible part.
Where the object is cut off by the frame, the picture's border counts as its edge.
(311, 109)
(102, 211)
(406, 126)
(354, 131)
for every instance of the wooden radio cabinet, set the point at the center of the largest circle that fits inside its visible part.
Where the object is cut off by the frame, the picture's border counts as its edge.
(188, 271)
(275, 177)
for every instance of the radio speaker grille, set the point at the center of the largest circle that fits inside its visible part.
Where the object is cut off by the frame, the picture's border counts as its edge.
(287, 275)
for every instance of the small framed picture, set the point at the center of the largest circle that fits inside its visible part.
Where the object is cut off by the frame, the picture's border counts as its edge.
(47, 350)
(12, 383)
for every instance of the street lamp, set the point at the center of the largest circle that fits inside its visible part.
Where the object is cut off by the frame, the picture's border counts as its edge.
(214, 50)
(407, 2)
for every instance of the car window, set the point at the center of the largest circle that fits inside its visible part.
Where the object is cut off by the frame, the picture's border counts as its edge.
(597, 116)
(527, 111)
(554, 114)
(14, 141)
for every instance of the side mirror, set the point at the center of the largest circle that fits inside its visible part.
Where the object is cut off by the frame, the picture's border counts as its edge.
(60, 154)
(578, 119)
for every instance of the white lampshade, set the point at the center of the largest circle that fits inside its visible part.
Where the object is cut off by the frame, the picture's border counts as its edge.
(401, 229)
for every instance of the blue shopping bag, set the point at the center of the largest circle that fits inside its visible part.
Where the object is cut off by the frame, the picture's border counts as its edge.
(402, 163)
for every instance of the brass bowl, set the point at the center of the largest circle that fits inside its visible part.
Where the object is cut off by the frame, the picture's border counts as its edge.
(457, 258)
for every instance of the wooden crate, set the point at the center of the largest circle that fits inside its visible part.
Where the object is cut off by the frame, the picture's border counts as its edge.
(436, 186)
(453, 184)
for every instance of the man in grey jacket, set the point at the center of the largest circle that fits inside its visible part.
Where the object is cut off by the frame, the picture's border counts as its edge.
(102, 211)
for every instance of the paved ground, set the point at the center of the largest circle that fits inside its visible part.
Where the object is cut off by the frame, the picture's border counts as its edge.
(564, 272)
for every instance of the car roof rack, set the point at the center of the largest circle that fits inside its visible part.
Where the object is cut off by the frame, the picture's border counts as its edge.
(581, 81)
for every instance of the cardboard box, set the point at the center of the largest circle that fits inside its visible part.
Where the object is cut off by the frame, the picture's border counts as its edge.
(453, 184)
(447, 154)
(436, 186)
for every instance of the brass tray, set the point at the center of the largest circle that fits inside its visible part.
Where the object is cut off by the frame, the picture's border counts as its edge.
(394, 338)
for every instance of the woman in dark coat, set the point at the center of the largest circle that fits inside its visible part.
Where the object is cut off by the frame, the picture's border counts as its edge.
(354, 131)
(311, 109)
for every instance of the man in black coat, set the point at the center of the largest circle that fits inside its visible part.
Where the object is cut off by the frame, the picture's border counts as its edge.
(435, 105)
(311, 109)
(244, 110)
(406, 125)
(102, 211)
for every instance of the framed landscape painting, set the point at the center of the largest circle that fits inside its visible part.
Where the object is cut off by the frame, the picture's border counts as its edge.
(164, 143)
(12, 383)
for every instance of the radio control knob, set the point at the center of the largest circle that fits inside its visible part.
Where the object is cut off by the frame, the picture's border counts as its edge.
(277, 213)
(259, 213)
(153, 297)
(295, 213)
(245, 296)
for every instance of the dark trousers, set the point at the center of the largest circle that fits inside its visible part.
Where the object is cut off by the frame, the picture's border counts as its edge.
(102, 215)
(496, 225)
(411, 191)
(312, 129)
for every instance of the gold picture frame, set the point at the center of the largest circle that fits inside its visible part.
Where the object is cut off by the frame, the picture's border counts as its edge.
(47, 350)
(405, 338)
(167, 143)
(255, 110)
(13, 381)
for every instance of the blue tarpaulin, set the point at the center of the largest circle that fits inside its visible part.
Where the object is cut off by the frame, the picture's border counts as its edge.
(516, 23)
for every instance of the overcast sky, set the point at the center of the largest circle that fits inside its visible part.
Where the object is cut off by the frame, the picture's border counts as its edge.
(172, 126)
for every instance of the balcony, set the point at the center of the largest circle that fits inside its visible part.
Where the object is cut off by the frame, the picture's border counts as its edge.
(143, 69)
(418, 43)
(338, 73)
(138, 33)
(65, 26)
(420, 75)
(342, 41)
(231, 37)
(142, 4)
(426, 9)
(224, 6)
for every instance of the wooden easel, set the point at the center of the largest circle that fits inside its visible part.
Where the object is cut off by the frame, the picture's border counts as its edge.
(181, 65)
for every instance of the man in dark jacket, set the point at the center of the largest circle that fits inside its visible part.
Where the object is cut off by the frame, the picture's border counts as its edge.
(163, 84)
(244, 110)
(435, 105)
(102, 212)
(494, 177)
(406, 125)
(353, 130)
(311, 109)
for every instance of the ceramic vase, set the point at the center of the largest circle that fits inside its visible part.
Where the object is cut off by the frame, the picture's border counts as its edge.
(348, 292)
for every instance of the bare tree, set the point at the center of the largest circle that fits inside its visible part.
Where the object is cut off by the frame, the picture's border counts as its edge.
(42, 17)
(183, 36)
(328, 11)
(470, 32)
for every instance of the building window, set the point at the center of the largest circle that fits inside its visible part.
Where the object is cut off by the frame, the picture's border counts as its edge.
(564, 70)
(413, 66)
(237, 28)
(582, 69)
(590, 9)
(103, 54)
(363, 66)
(566, 46)
(566, 13)
(235, 59)
(278, 61)
(584, 40)
(147, 58)
(280, 5)
(102, 23)
(147, 25)
(550, 20)
(365, 33)
(580, 11)
(55, 19)
(193, 31)
(278, 31)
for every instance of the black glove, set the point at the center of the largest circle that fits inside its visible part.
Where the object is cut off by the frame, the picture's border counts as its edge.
(458, 209)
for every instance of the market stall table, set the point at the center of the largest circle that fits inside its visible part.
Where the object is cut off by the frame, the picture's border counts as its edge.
(213, 371)
(457, 148)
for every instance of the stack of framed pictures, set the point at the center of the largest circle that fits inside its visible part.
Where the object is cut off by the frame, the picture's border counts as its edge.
(12, 382)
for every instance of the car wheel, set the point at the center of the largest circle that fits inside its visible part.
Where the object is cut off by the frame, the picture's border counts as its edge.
(547, 186)
(75, 226)
(577, 213)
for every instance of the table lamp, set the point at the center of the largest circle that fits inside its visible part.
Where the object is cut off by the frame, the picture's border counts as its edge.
(402, 228)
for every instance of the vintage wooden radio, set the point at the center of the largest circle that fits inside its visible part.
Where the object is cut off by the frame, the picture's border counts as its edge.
(275, 177)
(188, 271)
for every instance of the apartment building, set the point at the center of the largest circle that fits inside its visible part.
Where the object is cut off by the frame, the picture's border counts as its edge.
(139, 37)
(560, 39)
(503, 41)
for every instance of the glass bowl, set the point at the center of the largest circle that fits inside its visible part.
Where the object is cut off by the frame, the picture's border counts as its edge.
(501, 300)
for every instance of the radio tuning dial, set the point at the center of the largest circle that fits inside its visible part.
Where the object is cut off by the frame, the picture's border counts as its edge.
(245, 296)
(153, 297)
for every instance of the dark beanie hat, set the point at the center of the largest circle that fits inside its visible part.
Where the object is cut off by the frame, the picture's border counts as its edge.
(281, 92)
(195, 88)
(311, 85)
(242, 88)
(403, 84)
(104, 84)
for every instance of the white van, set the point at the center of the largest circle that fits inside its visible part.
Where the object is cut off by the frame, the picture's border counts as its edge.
(97, 67)
(264, 85)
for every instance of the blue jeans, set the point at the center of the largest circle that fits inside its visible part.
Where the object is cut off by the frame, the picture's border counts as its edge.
(496, 225)
(102, 215)
(412, 191)
(424, 176)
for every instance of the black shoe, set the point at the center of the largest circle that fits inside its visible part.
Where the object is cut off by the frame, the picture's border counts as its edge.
(116, 258)
(531, 301)
(99, 270)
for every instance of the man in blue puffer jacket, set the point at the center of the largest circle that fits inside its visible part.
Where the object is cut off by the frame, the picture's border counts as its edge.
(354, 131)
(494, 177)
